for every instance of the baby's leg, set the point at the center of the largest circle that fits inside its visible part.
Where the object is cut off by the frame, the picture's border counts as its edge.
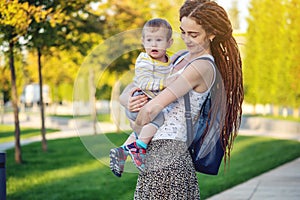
(132, 137)
(147, 133)
(148, 130)
(137, 149)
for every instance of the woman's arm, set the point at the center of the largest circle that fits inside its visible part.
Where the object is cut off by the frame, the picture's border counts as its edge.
(196, 76)
(130, 102)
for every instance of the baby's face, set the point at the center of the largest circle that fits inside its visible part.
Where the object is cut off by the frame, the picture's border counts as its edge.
(155, 42)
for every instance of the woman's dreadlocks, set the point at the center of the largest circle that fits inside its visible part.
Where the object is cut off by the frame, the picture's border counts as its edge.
(214, 20)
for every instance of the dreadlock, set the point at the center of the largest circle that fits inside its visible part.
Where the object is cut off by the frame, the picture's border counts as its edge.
(214, 20)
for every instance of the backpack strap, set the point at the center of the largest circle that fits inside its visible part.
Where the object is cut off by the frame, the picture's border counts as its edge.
(187, 104)
(188, 119)
(178, 57)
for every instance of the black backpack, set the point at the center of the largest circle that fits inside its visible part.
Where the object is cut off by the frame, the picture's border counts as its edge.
(203, 139)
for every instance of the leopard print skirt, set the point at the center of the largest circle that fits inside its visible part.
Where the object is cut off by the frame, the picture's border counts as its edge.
(169, 173)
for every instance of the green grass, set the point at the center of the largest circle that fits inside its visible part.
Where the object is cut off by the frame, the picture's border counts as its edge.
(7, 132)
(68, 171)
(100, 117)
(288, 118)
(62, 116)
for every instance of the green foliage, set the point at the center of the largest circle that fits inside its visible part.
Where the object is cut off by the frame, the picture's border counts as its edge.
(15, 20)
(68, 165)
(104, 92)
(293, 51)
(67, 31)
(5, 75)
(271, 62)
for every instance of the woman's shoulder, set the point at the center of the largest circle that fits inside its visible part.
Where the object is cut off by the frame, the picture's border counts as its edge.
(203, 65)
(207, 57)
(205, 60)
(178, 54)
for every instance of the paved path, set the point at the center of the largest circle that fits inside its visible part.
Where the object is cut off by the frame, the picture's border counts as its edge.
(282, 183)
(68, 128)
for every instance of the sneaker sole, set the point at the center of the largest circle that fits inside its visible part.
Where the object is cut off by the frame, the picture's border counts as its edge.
(114, 160)
(140, 168)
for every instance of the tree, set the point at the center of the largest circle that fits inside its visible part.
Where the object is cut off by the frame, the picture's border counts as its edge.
(293, 53)
(252, 55)
(38, 39)
(5, 73)
(15, 18)
(271, 64)
(53, 29)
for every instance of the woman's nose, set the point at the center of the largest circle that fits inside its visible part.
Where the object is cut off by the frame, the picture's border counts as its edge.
(186, 39)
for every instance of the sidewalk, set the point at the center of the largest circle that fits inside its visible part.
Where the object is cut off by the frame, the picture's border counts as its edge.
(282, 183)
(68, 128)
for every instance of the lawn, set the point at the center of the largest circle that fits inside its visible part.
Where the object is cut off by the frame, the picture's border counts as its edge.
(70, 171)
(100, 117)
(7, 132)
(287, 118)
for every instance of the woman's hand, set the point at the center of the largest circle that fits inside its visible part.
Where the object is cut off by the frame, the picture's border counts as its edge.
(148, 112)
(137, 102)
(133, 104)
(144, 116)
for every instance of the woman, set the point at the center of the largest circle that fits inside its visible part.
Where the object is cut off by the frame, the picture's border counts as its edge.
(206, 31)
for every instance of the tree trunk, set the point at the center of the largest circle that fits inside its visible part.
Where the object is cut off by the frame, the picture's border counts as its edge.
(41, 103)
(18, 152)
(276, 110)
(117, 106)
(254, 109)
(296, 112)
(93, 100)
(2, 107)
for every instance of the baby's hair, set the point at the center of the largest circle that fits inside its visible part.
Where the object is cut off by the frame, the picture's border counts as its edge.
(157, 23)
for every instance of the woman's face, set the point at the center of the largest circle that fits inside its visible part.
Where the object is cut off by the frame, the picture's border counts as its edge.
(194, 37)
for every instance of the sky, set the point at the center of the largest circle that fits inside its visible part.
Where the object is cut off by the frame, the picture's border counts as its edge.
(243, 8)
